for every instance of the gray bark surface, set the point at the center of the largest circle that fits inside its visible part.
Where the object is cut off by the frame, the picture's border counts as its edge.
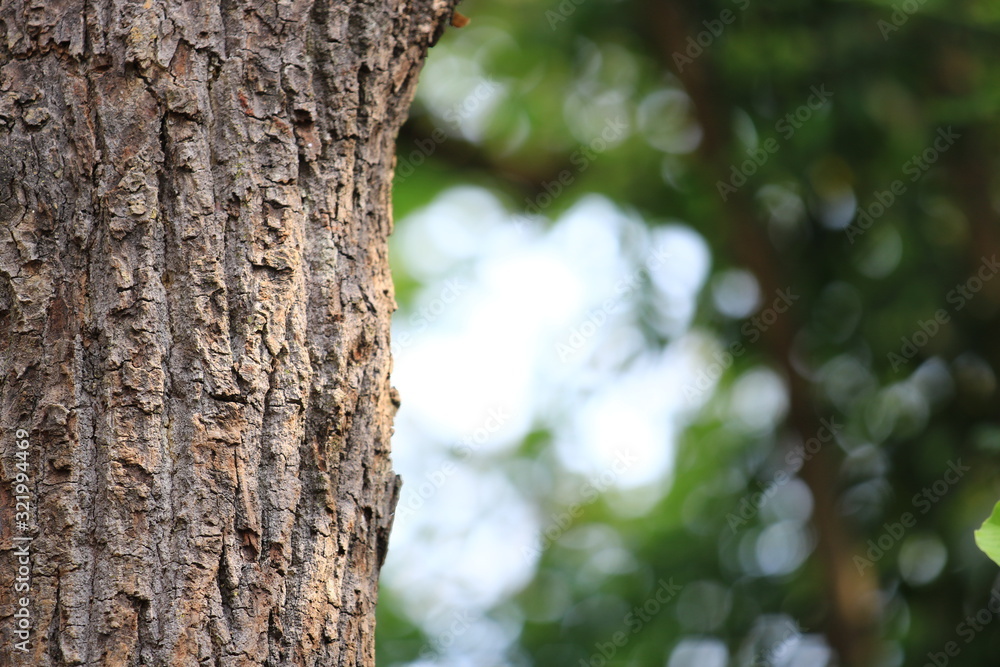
(194, 324)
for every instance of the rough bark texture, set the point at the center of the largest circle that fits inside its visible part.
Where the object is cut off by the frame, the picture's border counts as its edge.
(194, 322)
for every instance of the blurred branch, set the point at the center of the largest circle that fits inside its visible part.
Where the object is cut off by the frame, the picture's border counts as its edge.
(468, 156)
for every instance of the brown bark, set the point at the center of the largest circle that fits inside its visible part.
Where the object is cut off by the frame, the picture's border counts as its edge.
(194, 323)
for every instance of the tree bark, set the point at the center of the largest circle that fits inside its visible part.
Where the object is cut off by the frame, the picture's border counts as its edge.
(194, 325)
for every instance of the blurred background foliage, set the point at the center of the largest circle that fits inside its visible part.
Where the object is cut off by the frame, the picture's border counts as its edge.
(697, 340)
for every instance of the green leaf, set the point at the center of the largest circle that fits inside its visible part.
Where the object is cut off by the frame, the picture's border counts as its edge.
(988, 536)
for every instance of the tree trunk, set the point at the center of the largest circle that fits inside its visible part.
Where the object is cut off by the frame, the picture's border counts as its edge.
(194, 326)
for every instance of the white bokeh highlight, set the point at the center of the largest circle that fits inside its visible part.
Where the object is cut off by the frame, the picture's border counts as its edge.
(520, 327)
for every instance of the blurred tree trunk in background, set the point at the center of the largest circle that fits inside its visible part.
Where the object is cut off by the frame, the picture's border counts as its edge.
(194, 322)
(851, 623)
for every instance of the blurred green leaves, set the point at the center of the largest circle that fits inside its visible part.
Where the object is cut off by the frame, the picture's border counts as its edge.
(787, 226)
